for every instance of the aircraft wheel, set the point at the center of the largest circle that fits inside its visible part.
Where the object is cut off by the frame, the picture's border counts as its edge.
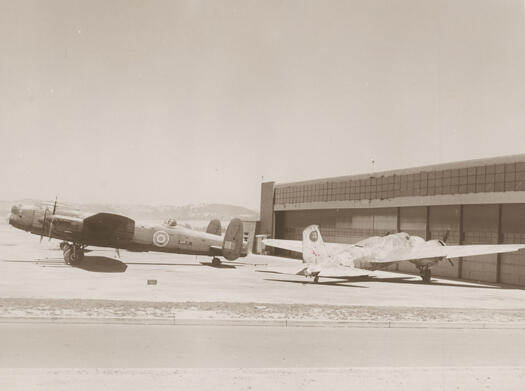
(75, 255)
(316, 279)
(426, 276)
(215, 261)
(67, 253)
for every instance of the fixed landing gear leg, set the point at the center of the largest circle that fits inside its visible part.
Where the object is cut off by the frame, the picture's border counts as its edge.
(426, 274)
(316, 279)
(216, 261)
(66, 248)
(73, 254)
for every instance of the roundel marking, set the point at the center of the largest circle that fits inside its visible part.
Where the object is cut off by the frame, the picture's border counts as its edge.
(160, 238)
(313, 236)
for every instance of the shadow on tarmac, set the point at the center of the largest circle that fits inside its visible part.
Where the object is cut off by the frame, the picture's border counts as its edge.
(343, 284)
(162, 264)
(395, 280)
(219, 266)
(101, 265)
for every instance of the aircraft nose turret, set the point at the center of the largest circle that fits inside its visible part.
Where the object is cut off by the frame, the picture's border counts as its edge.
(16, 217)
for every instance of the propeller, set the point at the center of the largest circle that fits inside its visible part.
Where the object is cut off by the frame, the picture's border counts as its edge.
(50, 229)
(117, 253)
(51, 224)
(445, 237)
(444, 241)
(43, 225)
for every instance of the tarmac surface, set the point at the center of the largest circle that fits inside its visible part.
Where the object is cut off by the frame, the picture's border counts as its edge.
(29, 269)
(37, 287)
(137, 357)
(146, 346)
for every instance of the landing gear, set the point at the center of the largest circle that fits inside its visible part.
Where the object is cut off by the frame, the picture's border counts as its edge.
(73, 253)
(316, 279)
(426, 274)
(216, 261)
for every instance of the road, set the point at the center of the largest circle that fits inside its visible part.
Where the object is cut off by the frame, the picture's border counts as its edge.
(146, 346)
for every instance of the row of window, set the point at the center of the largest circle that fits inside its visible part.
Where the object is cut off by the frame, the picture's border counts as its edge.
(483, 179)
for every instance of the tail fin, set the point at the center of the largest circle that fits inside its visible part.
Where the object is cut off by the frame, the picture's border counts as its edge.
(314, 250)
(214, 227)
(232, 245)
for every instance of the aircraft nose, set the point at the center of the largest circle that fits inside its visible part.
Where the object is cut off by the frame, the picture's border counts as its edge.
(14, 216)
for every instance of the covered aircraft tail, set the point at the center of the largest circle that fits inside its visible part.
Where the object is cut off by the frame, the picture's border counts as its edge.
(233, 240)
(214, 227)
(314, 249)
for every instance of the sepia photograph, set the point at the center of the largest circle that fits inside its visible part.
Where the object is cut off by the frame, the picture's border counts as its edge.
(262, 195)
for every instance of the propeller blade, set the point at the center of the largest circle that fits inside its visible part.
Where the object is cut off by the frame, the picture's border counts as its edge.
(117, 252)
(450, 261)
(50, 230)
(55, 206)
(43, 225)
(445, 237)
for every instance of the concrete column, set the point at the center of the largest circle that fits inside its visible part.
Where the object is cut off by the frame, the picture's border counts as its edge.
(398, 228)
(500, 240)
(266, 212)
(461, 240)
(427, 228)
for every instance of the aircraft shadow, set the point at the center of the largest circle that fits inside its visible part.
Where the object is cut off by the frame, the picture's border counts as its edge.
(341, 283)
(219, 266)
(162, 264)
(101, 265)
(416, 281)
(394, 280)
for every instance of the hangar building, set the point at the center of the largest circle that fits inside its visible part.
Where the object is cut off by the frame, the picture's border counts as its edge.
(477, 201)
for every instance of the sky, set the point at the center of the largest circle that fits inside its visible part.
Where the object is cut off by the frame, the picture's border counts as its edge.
(177, 102)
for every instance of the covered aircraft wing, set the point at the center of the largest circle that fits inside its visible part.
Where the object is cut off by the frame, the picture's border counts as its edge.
(335, 271)
(338, 271)
(297, 269)
(297, 245)
(481, 249)
(424, 252)
(291, 245)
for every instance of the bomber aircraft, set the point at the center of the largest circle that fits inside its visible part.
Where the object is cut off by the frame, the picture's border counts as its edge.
(338, 260)
(79, 230)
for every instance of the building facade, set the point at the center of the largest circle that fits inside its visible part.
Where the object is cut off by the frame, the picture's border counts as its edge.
(476, 202)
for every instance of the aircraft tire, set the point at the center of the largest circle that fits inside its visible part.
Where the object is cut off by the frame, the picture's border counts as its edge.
(215, 261)
(76, 255)
(67, 254)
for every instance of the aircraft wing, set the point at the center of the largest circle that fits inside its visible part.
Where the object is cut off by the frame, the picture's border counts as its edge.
(335, 271)
(291, 245)
(338, 271)
(297, 245)
(424, 252)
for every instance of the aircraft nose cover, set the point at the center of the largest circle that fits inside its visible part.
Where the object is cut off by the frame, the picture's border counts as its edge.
(232, 245)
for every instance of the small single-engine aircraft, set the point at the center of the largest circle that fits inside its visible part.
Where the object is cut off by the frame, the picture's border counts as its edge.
(79, 230)
(338, 260)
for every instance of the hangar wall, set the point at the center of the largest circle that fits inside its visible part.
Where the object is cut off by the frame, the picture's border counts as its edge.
(477, 202)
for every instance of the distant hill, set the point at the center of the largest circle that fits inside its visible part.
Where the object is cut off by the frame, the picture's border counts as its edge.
(222, 212)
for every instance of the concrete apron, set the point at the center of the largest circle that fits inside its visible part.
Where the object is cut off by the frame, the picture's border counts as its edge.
(263, 322)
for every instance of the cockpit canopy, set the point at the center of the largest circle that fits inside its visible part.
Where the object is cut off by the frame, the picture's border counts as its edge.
(170, 223)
